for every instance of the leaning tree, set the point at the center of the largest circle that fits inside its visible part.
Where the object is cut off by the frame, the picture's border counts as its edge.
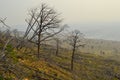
(43, 23)
(75, 40)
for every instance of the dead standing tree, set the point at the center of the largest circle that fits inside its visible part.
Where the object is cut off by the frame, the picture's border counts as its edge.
(75, 41)
(43, 24)
(6, 36)
(57, 42)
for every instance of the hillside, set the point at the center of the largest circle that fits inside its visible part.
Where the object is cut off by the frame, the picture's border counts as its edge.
(83, 43)
(106, 48)
(97, 60)
(20, 65)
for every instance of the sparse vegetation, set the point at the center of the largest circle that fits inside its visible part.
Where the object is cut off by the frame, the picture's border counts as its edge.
(18, 59)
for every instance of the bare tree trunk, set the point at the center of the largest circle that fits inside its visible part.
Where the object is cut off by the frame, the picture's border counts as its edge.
(39, 45)
(57, 50)
(72, 60)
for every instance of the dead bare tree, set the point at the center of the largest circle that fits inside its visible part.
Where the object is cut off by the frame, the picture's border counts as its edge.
(75, 41)
(5, 37)
(43, 24)
(57, 42)
(59, 39)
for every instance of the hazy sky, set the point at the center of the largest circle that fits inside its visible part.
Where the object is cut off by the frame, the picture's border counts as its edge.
(74, 12)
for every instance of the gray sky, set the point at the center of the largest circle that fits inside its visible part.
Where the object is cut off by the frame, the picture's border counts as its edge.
(73, 11)
(91, 13)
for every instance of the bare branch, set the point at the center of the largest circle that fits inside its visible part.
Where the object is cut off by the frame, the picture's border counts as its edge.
(42, 21)
(3, 22)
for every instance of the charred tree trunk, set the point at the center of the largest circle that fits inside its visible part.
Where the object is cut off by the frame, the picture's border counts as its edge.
(39, 44)
(72, 59)
(57, 49)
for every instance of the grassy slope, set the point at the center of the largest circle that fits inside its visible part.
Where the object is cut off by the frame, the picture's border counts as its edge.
(50, 67)
(90, 67)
